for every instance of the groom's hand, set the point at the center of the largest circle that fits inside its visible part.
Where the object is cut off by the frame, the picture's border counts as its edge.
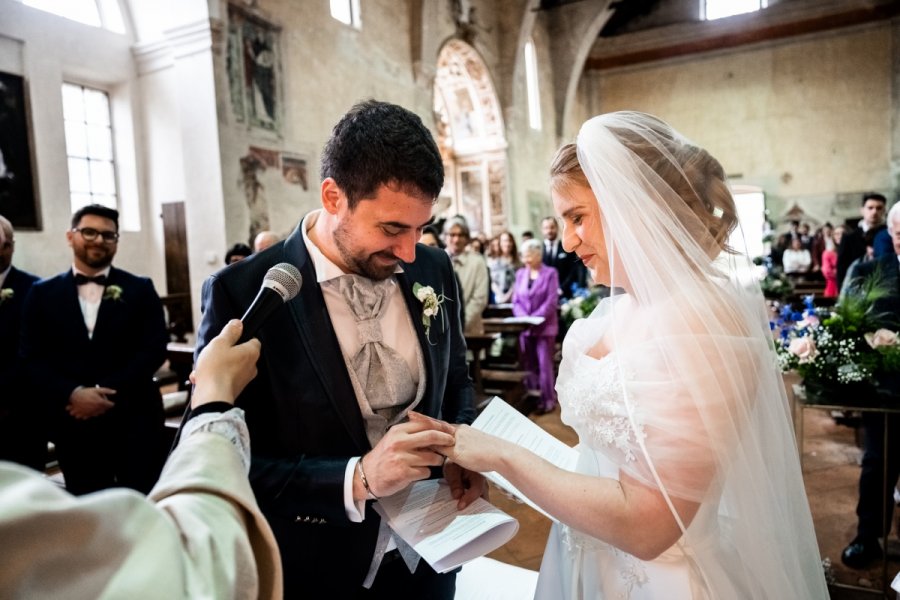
(403, 456)
(466, 486)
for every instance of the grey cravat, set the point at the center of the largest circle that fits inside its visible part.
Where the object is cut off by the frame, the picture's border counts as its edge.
(382, 373)
(384, 378)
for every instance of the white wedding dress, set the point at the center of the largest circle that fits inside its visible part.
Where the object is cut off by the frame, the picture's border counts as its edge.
(575, 565)
(687, 399)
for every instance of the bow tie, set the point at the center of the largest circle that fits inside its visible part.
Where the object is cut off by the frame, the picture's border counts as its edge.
(83, 279)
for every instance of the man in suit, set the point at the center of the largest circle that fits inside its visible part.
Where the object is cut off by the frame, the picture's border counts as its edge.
(472, 271)
(570, 269)
(21, 440)
(874, 522)
(853, 244)
(329, 427)
(92, 338)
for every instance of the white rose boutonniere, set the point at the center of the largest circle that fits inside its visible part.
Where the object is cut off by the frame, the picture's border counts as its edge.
(431, 304)
(6, 294)
(113, 292)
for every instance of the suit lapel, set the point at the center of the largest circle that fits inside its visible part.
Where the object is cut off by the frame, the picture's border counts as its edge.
(405, 280)
(71, 304)
(106, 312)
(317, 335)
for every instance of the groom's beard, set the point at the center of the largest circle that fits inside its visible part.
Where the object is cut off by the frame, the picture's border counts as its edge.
(378, 266)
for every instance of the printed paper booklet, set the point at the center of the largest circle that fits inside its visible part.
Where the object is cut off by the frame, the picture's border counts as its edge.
(502, 420)
(426, 517)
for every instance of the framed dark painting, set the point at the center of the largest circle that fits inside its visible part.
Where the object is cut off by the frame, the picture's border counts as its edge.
(18, 200)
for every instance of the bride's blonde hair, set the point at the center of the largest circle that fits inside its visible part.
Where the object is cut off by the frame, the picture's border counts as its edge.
(689, 171)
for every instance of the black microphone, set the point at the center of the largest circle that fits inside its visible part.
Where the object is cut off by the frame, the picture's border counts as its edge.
(281, 283)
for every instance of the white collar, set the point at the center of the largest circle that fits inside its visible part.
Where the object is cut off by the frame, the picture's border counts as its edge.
(325, 269)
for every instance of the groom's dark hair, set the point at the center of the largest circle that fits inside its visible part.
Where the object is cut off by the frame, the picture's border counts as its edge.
(377, 143)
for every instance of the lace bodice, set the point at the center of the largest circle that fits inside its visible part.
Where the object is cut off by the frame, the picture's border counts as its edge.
(593, 403)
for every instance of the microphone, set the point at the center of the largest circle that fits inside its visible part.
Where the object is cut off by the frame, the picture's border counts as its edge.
(281, 283)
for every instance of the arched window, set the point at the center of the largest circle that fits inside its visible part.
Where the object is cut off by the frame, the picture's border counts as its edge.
(531, 85)
(471, 138)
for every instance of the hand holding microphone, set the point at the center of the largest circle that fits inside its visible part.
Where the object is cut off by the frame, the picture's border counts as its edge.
(281, 284)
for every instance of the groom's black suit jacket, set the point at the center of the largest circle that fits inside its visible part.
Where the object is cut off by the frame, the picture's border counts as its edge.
(303, 415)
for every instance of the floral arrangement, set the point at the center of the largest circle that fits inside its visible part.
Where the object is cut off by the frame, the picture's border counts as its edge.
(774, 283)
(844, 346)
(431, 304)
(112, 292)
(581, 304)
(6, 294)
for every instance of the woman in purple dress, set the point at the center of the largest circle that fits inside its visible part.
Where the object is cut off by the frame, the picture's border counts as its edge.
(535, 294)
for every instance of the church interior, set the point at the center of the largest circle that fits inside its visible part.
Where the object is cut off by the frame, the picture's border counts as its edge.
(203, 121)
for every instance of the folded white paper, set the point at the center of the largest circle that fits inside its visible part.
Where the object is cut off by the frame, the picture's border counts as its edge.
(502, 420)
(425, 515)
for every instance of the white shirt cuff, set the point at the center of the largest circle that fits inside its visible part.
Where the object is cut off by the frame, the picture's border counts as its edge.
(356, 511)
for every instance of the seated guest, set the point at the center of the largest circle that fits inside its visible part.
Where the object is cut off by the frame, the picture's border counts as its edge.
(199, 534)
(535, 295)
(503, 268)
(796, 259)
(237, 252)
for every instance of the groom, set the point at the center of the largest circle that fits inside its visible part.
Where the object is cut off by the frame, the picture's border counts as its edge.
(344, 362)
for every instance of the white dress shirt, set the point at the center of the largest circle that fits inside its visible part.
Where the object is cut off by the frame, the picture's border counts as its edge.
(395, 328)
(89, 297)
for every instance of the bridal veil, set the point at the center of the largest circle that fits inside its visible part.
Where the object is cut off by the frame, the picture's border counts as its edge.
(706, 407)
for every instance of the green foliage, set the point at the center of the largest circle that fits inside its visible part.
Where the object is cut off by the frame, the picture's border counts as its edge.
(846, 345)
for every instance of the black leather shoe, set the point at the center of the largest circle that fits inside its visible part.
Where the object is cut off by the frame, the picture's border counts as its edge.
(861, 553)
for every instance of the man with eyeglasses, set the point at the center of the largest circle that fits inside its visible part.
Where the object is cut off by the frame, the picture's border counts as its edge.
(92, 338)
(20, 438)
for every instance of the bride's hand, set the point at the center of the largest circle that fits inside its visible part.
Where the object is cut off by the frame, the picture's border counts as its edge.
(473, 449)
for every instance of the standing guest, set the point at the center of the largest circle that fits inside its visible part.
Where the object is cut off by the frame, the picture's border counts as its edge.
(818, 245)
(568, 266)
(199, 534)
(688, 482)
(476, 245)
(431, 237)
(805, 238)
(344, 362)
(472, 271)
(883, 244)
(21, 439)
(263, 240)
(527, 235)
(237, 252)
(853, 243)
(875, 506)
(829, 262)
(796, 259)
(535, 295)
(503, 268)
(92, 338)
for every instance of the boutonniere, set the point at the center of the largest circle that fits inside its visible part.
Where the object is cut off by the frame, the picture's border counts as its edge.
(6, 294)
(431, 303)
(112, 292)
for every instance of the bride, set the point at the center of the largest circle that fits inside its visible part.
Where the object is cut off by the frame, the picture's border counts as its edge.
(688, 483)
